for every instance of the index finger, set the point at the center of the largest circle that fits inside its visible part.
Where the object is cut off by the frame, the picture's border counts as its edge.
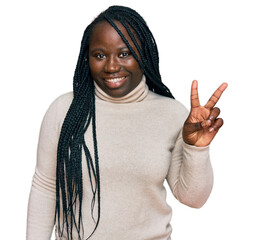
(194, 94)
(216, 96)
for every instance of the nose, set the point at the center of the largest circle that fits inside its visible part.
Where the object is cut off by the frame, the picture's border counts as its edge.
(112, 65)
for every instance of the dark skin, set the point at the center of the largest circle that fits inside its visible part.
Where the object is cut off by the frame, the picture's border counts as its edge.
(203, 123)
(111, 60)
(117, 72)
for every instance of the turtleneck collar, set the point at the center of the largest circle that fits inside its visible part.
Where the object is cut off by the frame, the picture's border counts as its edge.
(136, 95)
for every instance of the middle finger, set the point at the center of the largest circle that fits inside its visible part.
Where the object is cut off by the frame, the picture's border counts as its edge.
(216, 96)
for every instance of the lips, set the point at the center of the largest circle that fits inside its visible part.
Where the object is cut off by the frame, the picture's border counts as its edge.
(115, 82)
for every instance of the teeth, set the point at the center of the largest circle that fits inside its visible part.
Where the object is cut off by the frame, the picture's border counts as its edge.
(113, 80)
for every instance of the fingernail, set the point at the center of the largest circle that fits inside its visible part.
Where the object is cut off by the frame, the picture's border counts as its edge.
(206, 123)
(211, 117)
(211, 129)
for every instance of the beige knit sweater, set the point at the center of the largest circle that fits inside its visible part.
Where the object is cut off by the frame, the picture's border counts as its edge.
(140, 146)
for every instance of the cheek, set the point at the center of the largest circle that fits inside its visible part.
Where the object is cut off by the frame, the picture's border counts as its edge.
(137, 71)
(133, 65)
(95, 67)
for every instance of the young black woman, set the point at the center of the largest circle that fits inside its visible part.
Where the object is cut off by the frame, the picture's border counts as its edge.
(106, 148)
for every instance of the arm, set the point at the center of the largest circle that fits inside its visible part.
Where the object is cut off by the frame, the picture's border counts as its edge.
(190, 175)
(41, 207)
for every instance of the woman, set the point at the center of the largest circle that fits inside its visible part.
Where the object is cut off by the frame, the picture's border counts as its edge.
(105, 150)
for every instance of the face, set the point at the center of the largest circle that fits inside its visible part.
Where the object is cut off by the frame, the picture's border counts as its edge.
(112, 65)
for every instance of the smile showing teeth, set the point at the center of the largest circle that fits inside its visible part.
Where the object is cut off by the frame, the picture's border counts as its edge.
(114, 80)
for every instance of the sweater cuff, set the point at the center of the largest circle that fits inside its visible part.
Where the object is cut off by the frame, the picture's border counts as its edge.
(188, 146)
(196, 154)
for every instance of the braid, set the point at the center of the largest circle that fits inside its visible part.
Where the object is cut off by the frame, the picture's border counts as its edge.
(81, 115)
(149, 61)
(69, 179)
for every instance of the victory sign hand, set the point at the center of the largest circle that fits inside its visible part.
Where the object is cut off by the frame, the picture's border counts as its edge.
(203, 123)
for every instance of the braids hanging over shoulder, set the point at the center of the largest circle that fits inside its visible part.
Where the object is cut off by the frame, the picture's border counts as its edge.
(138, 30)
(81, 115)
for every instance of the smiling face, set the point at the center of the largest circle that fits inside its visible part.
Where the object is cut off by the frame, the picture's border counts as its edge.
(112, 65)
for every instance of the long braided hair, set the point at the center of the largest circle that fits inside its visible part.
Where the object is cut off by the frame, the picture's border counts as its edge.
(81, 115)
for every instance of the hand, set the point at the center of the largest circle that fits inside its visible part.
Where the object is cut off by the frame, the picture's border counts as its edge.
(203, 123)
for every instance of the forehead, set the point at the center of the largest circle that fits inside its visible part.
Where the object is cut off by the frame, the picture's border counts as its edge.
(104, 33)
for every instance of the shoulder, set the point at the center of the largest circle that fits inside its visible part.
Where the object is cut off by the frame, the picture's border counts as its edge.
(169, 105)
(58, 108)
(63, 101)
(167, 112)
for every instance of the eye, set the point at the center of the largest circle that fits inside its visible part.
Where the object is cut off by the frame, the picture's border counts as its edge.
(124, 54)
(100, 55)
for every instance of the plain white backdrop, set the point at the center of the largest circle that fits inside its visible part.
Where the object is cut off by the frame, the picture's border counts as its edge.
(211, 41)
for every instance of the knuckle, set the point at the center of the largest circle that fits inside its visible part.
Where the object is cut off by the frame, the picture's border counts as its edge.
(215, 113)
(217, 109)
(219, 122)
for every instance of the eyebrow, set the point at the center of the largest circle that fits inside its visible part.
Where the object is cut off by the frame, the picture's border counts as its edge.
(124, 48)
(96, 49)
(102, 49)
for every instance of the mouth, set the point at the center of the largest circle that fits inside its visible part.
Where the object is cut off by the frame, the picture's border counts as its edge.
(115, 82)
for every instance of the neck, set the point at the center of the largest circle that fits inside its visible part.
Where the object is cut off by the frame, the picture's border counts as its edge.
(136, 95)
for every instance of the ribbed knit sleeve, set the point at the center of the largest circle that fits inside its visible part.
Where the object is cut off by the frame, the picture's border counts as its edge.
(41, 207)
(190, 175)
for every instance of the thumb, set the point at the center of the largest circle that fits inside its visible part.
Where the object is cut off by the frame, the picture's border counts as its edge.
(192, 127)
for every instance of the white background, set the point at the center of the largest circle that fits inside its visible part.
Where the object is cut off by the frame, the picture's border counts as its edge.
(210, 41)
